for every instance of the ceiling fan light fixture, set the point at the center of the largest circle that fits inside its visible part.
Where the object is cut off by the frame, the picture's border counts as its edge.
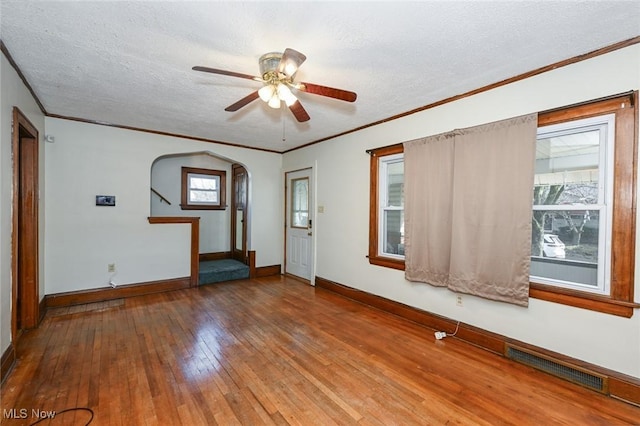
(284, 93)
(274, 102)
(266, 92)
(290, 69)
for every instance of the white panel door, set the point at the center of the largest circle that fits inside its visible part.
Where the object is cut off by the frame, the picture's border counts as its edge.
(299, 221)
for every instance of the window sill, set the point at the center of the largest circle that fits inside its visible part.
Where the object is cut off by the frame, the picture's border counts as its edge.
(387, 262)
(199, 207)
(582, 300)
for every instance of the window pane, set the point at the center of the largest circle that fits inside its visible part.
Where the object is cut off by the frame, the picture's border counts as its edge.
(393, 232)
(300, 203)
(203, 196)
(567, 169)
(395, 184)
(564, 245)
(300, 219)
(203, 183)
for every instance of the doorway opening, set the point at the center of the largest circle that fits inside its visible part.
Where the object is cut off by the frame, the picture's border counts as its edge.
(178, 183)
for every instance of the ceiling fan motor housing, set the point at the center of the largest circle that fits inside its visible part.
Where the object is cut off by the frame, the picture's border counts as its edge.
(269, 65)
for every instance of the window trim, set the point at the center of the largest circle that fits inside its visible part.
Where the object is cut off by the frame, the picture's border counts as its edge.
(221, 174)
(620, 300)
(375, 258)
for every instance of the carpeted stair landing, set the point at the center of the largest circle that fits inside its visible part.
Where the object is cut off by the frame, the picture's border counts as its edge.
(215, 271)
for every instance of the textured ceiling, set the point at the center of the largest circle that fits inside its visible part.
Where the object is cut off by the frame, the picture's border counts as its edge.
(129, 63)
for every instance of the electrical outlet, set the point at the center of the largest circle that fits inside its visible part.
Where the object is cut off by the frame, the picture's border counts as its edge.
(111, 267)
(459, 300)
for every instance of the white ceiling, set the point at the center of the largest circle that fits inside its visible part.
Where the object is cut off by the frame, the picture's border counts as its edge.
(129, 63)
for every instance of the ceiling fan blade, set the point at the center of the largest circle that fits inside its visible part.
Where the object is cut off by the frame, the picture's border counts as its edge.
(242, 102)
(290, 62)
(299, 112)
(330, 92)
(229, 73)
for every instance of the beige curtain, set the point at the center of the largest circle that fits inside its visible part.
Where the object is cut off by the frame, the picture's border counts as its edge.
(468, 200)
(428, 181)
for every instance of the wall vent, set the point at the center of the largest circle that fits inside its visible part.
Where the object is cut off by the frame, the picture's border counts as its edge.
(561, 369)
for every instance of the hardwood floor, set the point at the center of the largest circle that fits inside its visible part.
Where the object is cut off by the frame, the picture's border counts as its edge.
(275, 351)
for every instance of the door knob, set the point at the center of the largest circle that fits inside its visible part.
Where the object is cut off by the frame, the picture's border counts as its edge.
(309, 233)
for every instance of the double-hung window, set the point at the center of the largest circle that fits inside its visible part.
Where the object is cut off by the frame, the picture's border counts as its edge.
(572, 204)
(583, 222)
(203, 189)
(391, 187)
(386, 216)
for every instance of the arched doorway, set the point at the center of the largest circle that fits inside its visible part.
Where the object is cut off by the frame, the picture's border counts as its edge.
(182, 185)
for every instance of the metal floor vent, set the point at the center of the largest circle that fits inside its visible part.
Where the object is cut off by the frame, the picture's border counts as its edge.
(563, 370)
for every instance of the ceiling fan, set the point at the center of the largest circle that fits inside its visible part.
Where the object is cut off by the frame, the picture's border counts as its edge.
(277, 72)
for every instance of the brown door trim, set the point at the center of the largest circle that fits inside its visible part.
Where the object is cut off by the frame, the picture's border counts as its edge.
(25, 291)
(239, 200)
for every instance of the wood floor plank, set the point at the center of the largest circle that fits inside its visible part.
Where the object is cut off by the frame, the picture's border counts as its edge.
(274, 351)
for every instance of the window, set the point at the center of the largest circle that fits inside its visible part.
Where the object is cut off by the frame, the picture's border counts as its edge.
(572, 200)
(386, 229)
(391, 196)
(300, 203)
(583, 236)
(203, 189)
(583, 241)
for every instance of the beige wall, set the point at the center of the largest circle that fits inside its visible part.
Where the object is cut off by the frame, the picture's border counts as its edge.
(342, 176)
(82, 239)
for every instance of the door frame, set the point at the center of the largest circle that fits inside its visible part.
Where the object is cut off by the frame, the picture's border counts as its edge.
(25, 140)
(312, 218)
(236, 254)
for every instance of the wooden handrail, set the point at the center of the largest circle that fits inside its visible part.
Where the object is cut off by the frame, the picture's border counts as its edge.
(162, 198)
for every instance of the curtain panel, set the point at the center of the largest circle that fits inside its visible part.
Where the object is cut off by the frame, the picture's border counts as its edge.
(468, 203)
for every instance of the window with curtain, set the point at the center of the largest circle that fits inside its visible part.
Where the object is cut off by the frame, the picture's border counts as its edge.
(468, 209)
(589, 152)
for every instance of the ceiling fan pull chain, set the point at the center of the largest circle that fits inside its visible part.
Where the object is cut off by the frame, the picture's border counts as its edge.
(284, 139)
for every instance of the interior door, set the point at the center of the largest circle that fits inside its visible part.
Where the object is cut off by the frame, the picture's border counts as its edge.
(239, 213)
(299, 221)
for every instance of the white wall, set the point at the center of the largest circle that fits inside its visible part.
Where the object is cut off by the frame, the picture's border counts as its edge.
(342, 169)
(82, 239)
(14, 93)
(166, 178)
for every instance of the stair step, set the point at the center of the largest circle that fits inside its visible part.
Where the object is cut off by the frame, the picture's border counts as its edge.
(215, 271)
